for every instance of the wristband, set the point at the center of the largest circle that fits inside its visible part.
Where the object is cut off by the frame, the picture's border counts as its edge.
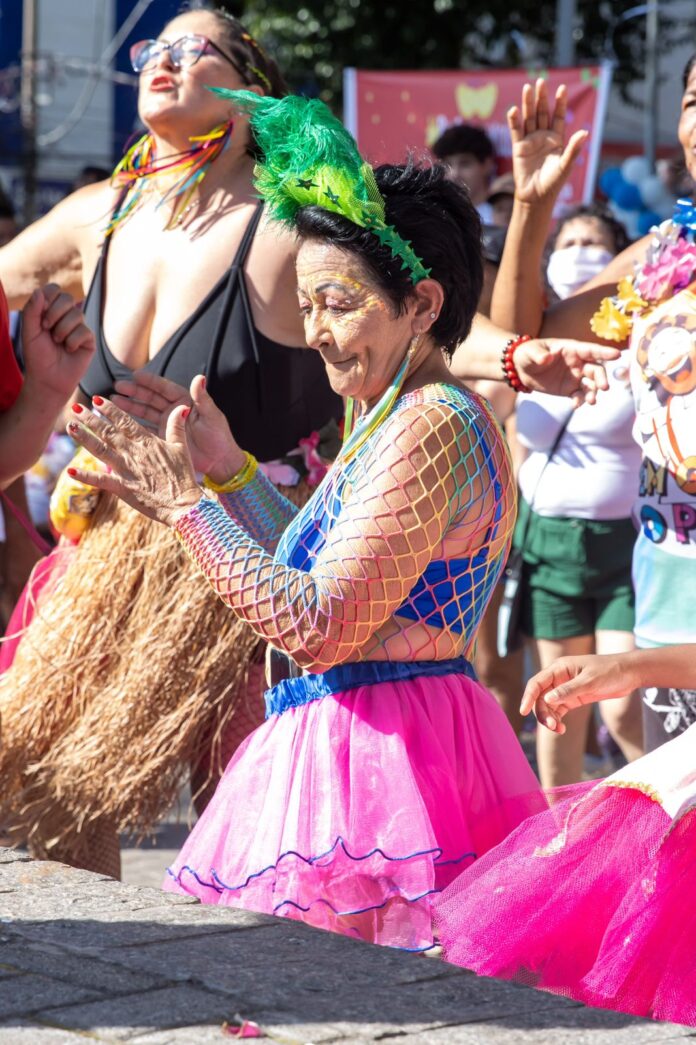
(242, 478)
(507, 363)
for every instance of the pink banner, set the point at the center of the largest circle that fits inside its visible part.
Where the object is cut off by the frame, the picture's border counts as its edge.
(390, 113)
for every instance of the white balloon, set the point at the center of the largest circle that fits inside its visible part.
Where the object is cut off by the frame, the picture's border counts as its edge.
(653, 192)
(624, 216)
(632, 224)
(635, 169)
(665, 208)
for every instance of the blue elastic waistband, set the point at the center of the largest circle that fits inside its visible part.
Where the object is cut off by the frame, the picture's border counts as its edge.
(291, 693)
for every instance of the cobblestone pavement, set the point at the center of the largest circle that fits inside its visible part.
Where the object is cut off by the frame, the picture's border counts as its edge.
(86, 958)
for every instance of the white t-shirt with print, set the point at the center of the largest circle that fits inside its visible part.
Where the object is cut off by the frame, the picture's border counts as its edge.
(663, 380)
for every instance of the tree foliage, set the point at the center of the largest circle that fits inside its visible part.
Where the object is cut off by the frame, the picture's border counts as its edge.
(314, 40)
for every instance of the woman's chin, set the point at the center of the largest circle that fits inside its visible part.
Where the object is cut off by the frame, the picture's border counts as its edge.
(343, 384)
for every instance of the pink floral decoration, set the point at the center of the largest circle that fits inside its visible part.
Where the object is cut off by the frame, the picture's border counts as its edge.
(279, 473)
(316, 469)
(673, 270)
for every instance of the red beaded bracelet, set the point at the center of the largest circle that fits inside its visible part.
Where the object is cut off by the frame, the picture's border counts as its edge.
(507, 363)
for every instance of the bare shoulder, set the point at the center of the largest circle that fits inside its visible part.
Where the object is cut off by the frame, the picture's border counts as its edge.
(61, 247)
(279, 237)
(270, 269)
(87, 210)
(436, 417)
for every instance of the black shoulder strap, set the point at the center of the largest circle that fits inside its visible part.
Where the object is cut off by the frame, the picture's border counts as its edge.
(554, 447)
(237, 280)
(249, 233)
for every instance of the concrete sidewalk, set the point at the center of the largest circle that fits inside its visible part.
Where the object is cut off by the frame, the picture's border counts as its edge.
(86, 958)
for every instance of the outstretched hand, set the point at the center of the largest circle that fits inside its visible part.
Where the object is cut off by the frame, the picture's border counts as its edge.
(571, 682)
(57, 343)
(564, 367)
(153, 399)
(151, 474)
(541, 159)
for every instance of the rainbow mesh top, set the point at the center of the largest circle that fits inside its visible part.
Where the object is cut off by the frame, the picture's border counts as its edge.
(394, 557)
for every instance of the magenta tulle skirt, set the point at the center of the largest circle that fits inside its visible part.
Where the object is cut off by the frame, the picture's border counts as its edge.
(45, 575)
(593, 898)
(365, 792)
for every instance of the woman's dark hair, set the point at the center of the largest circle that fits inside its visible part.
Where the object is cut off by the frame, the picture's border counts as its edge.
(255, 66)
(688, 69)
(444, 229)
(599, 212)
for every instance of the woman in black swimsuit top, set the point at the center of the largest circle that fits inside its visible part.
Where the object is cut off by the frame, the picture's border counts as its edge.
(134, 670)
(272, 395)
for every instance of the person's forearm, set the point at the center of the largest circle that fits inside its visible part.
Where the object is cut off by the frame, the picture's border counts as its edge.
(518, 295)
(24, 431)
(261, 510)
(478, 358)
(665, 667)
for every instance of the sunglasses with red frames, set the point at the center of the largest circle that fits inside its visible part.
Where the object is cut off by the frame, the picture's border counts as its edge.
(183, 53)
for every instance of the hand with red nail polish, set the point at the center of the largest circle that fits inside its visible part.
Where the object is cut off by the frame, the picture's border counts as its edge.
(151, 399)
(152, 474)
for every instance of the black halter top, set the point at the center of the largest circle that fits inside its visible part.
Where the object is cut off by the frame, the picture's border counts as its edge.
(272, 395)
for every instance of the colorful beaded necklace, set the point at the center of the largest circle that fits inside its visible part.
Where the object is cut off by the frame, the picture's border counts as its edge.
(140, 168)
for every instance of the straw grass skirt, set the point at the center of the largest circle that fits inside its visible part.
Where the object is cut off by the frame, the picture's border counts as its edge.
(130, 671)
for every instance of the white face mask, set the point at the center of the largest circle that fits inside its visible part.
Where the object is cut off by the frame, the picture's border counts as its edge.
(570, 268)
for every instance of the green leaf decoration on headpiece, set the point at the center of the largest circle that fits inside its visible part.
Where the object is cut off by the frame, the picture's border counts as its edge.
(310, 159)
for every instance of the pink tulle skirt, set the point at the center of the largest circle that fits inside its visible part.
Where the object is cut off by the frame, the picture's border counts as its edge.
(593, 898)
(45, 575)
(352, 809)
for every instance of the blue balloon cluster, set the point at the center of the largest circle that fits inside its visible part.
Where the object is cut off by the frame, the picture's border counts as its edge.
(637, 196)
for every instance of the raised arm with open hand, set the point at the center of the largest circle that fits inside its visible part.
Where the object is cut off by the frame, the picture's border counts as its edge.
(541, 158)
(542, 162)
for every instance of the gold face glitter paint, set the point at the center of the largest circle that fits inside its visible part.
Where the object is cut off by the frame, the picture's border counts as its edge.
(358, 333)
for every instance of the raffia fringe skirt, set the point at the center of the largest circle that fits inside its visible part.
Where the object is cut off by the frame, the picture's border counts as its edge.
(129, 670)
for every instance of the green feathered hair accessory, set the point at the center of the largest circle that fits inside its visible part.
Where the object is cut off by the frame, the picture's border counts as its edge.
(310, 159)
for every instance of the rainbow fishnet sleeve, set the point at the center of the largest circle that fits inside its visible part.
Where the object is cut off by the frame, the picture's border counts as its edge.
(260, 510)
(421, 476)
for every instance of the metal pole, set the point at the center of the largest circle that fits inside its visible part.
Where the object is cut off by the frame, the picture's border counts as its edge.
(652, 30)
(27, 106)
(565, 23)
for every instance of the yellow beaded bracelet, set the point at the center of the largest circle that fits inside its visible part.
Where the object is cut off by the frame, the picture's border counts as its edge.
(245, 474)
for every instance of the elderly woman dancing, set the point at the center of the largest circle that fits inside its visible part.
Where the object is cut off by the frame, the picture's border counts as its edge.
(383, 767)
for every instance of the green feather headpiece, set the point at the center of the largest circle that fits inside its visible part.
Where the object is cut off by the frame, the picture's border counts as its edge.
(310, 159)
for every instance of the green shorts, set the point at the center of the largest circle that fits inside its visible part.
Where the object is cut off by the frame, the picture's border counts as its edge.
(577, 575)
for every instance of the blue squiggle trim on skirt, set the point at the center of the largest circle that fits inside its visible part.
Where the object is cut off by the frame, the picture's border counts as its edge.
(218, 886)
(293, 692)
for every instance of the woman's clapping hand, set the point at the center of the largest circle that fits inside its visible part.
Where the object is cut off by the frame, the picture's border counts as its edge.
(152, 399)
(153, 475)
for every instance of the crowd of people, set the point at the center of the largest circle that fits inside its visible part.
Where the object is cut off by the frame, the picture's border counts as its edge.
(314, 424)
